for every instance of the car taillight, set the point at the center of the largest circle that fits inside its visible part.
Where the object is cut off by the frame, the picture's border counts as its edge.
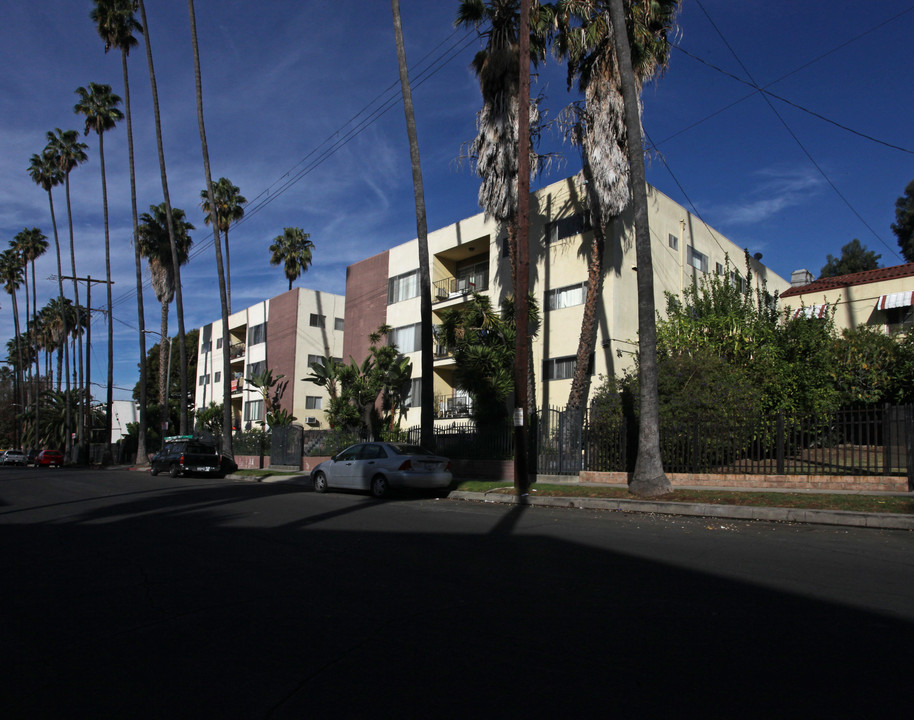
(181, 459)
(406, 465)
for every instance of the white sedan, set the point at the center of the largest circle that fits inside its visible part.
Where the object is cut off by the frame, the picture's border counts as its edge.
(380, 466)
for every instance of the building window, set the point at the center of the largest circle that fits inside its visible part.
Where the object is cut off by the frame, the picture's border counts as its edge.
(673, 242)
(256, 368)
(718, 268)
(737, 281)
(402, 287)
(406, 338)
(338, 324)
(257, 334)
(217, 377)
(562, 368)
(218, 343)
(697, 260)
(313, 402)
(567, 227)
(414, 398)
(253, 410)
(206, 347)
(318, 320)
(203, 380)
(314, 359)
(566, 296)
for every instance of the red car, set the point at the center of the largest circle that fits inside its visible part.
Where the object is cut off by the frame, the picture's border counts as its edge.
(49, 457)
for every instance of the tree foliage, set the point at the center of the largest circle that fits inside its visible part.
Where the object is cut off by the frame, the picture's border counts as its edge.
(903, 227)
(482, 342)
(854, 258)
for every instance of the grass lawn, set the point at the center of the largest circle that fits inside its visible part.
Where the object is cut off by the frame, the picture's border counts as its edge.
(806, 501)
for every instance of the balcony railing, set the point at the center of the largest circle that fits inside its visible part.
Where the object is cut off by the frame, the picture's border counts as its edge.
(452, 287)
(453, 406)
(236, 350)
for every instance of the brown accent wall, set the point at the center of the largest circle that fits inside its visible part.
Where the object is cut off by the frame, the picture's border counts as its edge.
(366, 304)
(281, 342)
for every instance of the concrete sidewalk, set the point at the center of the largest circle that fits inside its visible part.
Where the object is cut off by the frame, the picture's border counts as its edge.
(885, 521)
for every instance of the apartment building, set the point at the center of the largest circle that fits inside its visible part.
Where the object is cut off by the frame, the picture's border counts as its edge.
(284, 334)
(472, 255)
(882, 298)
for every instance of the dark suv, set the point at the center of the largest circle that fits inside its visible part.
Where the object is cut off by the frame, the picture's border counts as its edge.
(183, 455)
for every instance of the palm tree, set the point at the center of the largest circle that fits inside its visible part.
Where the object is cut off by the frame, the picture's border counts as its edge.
(11, 275)
(116, 25)
(496, 67)
(31, 244)
(155, 245)
(292, 250)
(68, 152)
(172, 231)
(99, 105)
(229, 209)
(45, 173)
(222, 207)
(427, 410)
(598, 40)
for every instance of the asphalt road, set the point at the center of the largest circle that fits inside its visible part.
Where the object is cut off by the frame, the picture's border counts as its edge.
(131, 596)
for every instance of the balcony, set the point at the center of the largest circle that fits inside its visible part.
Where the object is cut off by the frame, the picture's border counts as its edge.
(453, 406)
(465, 284)
(236, 351)
(237, 384)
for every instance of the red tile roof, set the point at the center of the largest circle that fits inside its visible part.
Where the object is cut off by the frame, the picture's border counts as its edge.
(861, 278)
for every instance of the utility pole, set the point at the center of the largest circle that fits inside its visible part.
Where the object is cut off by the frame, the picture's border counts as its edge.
(85, 427)
(521, 292)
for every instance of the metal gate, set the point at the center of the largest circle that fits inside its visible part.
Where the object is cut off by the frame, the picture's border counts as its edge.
(559, 442)
(286, 445)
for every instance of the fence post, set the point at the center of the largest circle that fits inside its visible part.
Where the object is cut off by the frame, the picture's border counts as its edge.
(780, 442)
(696, 445)
(909, 443)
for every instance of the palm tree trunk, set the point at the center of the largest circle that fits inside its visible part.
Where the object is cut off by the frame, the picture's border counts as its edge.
(221, 270)
(649, 478)
(141, 457)
(80, 439)
(427, 409)
(179, 301)
(37, 387)
(580, 382)
(109, 398)
(19, 384)
(163, 367)
(68, 444)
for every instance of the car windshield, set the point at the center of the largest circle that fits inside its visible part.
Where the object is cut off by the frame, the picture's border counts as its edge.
(403, 449)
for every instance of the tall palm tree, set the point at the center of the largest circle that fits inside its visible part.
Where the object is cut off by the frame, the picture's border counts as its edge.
(155, 245)
(99, 105)
(223, 206)
(292, 250)
(11, 275)
(427, 369)
(229, 209)
(45, 173)
(496, 67)
(31, 244)
(605, 50)
(172, 230)
(116, 25)
(64, 146)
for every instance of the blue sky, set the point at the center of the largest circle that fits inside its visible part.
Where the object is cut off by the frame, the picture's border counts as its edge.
(302, 111)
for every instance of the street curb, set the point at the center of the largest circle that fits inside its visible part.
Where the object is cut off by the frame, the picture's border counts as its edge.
(883, 521)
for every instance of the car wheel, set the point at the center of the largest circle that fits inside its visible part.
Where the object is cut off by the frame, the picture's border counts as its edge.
(320, 482)
(153, 471)
(379, 486)
(174, 471)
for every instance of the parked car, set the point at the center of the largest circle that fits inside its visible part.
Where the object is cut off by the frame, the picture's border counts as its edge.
(380, 466)
(184, 454)
(14, 457)
(49, 458)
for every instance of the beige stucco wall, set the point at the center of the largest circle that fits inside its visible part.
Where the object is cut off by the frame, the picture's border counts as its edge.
(853, 305)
